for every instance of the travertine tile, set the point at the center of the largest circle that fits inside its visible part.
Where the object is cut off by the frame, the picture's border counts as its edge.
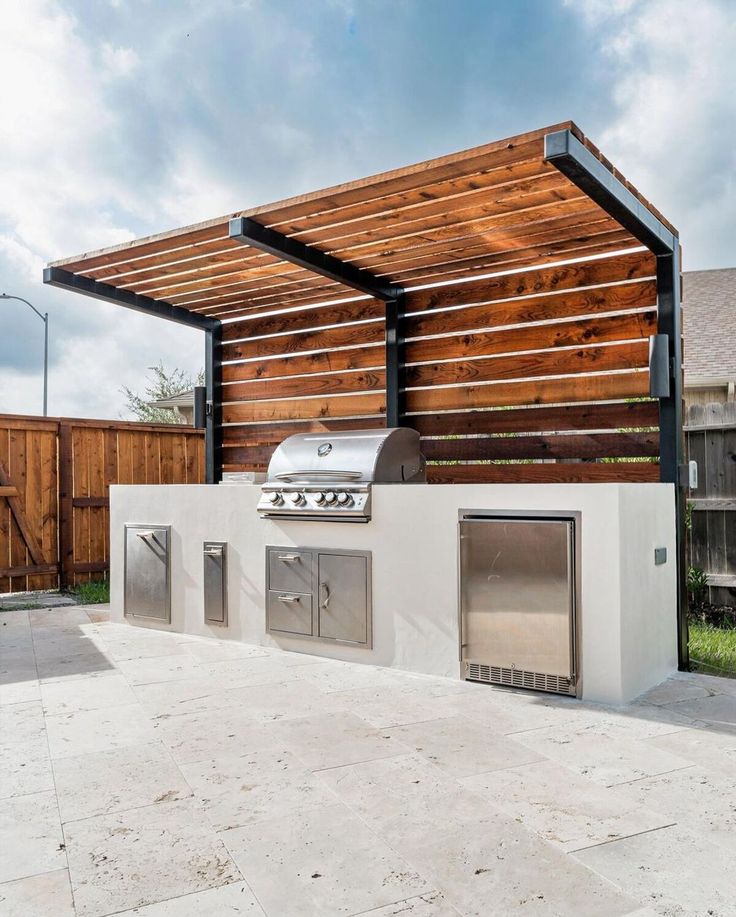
(717, 710)
(236, 791)
(89, 731)
(269, 703)
(44, 895)
(485, 862)
(393, 705)
(236, 898)
(223, 650)
(321, 862)
(699, 800)
(186, 695)
(112, 781)
(141, 856)
(431, 904)
(110, 689)
(461, 747)
(345, 676)
(25, 770)
(334, 739)
(212, 733)
(569, 811)
(709, 748)
(153, 669)
(66, 616)
(674, 689)
(373, 788)
(672, 870)
(604, 757)
(30, 836)
(256, 670)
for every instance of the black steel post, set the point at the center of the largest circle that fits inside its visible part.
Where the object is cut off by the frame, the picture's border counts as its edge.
(671, 448)
(213, 418)
(395, 407)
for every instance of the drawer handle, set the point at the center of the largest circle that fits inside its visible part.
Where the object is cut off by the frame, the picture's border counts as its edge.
(215, 552)
(144, 534)
(325, 603)
(289, 599)
(288, 558)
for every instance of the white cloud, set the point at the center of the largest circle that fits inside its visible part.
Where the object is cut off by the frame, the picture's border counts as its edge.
(673, 72)
(119, 62)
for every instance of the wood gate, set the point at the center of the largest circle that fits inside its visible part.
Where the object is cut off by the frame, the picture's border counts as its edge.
(55, 475)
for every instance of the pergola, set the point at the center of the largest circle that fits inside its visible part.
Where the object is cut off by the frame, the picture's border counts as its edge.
(517, 303)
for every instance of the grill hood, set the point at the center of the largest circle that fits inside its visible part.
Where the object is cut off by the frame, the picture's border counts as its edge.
(383, 456)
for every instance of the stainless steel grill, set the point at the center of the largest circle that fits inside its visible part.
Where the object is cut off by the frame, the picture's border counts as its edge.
(329, 476)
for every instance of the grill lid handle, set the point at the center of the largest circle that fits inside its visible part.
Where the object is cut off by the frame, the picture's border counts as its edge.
(305, 476)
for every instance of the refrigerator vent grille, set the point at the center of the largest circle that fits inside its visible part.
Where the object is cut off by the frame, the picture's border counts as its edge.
(517, 678)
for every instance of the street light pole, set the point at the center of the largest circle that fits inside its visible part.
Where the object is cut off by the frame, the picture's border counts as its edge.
(45, 319)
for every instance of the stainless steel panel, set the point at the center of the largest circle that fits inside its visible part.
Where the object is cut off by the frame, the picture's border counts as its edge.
(215, 582)
(147, 590)
(290, 570)
(517, 594)
(342, 597)
(289, 613)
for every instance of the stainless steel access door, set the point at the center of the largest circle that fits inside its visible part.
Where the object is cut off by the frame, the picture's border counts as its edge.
(343, 596)
(147, 580)
(517, 594)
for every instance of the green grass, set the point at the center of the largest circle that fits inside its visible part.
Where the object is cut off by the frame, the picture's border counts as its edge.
(94, 593)
(713, 649)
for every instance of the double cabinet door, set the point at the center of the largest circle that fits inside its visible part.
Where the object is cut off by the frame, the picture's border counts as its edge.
(319, 593)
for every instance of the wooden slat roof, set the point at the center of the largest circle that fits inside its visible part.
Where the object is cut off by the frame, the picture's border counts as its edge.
(494, 207)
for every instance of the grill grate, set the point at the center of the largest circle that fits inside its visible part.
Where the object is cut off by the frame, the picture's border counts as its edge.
(518, 678)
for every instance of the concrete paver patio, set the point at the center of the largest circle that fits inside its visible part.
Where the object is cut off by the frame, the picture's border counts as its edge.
(158, 774)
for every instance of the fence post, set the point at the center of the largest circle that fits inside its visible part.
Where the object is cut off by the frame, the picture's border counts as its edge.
(66, 506)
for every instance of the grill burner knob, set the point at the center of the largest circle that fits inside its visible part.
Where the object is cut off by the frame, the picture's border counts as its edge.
(344, 499)
(330, 497)
(275, 498)
(297, 499)
(319, 499)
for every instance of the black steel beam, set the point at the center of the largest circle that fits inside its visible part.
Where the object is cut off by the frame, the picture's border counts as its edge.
(249, 232)
(567, 153)
(58, 277)
(672, 448)
(395, 383)
(213, 415)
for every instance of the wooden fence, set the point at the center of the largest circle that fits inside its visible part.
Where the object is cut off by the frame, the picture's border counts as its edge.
(55, 475)
(711, 442)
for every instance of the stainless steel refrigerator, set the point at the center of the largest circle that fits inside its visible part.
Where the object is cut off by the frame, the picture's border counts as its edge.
(518, 609)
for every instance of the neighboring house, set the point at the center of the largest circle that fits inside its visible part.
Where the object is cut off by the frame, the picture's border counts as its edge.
(709, 307)
(182, 405)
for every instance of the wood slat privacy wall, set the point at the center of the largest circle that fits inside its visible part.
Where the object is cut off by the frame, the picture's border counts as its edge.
(531, 376)
(55, 475)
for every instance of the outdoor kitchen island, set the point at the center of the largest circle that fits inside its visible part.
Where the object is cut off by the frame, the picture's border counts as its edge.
(625, 602)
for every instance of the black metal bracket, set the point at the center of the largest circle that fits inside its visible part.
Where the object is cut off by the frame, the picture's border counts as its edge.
(395, 384)
(58, 277)
(249, 232)
(567, 153)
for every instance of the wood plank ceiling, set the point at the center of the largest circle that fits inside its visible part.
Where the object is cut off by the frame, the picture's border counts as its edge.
(495, 207)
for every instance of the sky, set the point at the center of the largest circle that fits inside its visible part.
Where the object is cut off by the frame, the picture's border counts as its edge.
(121, 118)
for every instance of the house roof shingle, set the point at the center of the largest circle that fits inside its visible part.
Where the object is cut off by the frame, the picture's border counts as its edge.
(709, 306)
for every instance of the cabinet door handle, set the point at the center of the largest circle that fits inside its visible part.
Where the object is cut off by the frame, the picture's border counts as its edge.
(289, 599)
(325, 603)
(288, 558)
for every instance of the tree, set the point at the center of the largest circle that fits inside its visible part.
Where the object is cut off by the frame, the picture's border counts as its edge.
(163, 383)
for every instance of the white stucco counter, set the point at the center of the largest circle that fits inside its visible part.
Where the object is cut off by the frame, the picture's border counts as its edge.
(627, 604)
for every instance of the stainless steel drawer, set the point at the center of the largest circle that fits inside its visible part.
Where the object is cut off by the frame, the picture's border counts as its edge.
(289, 612)
(215, 582)
(290, 571)
(147, 580)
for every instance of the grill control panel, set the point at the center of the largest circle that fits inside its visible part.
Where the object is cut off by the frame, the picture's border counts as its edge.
(351, 504)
